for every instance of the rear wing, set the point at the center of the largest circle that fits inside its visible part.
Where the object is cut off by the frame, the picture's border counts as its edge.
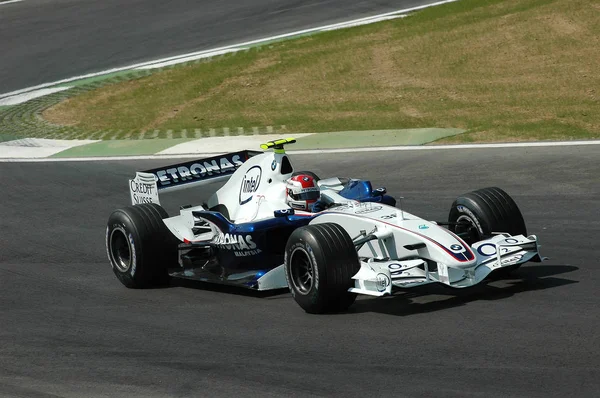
(146, 185)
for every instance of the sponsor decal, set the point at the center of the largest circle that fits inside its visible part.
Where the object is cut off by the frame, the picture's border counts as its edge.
(487, 249)
(382, 282)
(141, 199)
(511, 241)
(143, 188)
(369, 209)
(360, 208)
(133, 256)
(469, 217)
(250, 184)
(199, 169)
(395, 269)
(283, 212)
(456, 247)
(423, 226)
(410, 282)
(311, 189)
(241, 245)
(513, 259)
(242, 253)
(388, 216)
(142, 192)
(139, 187)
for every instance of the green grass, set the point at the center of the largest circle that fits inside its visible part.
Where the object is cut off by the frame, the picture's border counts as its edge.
(507, 70)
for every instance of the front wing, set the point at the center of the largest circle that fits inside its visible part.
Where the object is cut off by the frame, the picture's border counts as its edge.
(380, 277)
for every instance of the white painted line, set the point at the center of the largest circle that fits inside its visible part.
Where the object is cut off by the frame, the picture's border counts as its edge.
(233, 46)
(9, 1)
(20, 98)
(318, 151)
(191, 58)
(378, 19)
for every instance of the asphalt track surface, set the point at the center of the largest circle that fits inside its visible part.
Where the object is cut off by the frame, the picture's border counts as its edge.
(43, 41)
(69, 328)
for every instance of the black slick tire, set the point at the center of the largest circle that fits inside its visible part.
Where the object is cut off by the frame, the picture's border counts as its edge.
(139, 246)
(320, 261)
(486, 211)
(483, 212)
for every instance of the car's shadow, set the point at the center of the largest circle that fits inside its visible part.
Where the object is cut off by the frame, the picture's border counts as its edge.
(223, 288)
(527, 278)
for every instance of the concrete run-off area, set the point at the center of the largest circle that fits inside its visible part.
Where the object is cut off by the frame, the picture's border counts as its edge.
(39, 148)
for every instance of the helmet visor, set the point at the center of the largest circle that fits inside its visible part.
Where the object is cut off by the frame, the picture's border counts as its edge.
(310, 195)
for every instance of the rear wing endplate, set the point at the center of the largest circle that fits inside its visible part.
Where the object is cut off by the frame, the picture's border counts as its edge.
(146, 185)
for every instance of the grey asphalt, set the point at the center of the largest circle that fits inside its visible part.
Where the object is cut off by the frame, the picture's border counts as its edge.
(69, 328)
(43, 41)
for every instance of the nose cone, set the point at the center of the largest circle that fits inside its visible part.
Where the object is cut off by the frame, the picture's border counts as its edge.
(450, 249)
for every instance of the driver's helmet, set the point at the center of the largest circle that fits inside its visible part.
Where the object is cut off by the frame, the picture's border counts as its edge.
(302, 192)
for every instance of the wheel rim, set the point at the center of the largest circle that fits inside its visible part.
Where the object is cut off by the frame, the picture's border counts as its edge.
(120, 250)
(467, 229)
(302, 271)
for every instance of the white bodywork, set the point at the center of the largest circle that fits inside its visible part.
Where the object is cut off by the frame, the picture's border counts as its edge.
(406, 250)
(247, 202)
(438, 255)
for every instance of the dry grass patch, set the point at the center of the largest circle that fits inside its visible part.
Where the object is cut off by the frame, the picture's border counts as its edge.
(505, 70)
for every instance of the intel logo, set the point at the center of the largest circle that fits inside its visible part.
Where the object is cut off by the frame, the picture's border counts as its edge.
(250, 184)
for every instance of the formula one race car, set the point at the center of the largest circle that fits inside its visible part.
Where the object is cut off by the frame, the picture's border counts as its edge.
(251, 233)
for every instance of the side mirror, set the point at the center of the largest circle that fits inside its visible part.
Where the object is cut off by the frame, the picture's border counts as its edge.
(379, 191)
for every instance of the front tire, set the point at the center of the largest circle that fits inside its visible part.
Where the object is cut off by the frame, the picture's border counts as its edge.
(483, 212)
(320, 261)
(139, 245)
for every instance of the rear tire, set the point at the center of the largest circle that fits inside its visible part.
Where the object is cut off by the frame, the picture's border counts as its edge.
(320, 261)
(139, 246)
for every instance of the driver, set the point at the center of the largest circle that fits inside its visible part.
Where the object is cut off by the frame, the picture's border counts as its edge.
(302, 193)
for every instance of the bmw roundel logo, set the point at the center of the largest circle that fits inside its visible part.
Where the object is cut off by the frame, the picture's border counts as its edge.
(456, 247)
(274, 165)
(306, 179)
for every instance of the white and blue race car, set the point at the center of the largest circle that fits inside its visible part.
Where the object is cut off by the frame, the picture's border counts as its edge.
(247, 235)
